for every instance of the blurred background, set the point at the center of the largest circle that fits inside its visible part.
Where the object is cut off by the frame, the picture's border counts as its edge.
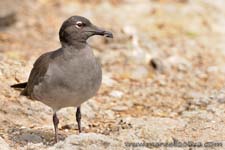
(163, 73)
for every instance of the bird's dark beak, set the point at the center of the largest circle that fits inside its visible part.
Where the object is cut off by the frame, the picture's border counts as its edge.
(98, 31)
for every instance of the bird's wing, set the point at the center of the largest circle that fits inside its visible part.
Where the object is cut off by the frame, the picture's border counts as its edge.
(38, 72)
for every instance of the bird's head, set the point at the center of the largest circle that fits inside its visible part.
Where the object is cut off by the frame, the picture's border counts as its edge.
(77, 29)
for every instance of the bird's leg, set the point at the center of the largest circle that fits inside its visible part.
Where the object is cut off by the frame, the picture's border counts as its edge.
(55, 122)
(78, 118)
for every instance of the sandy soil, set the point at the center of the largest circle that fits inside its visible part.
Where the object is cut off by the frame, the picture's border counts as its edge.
(163, 76)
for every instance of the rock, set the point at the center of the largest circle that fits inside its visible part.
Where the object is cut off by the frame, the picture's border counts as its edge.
(140, 72)
(129, 30)
(8, 10)
(179, 62)
(107, 80)
(116, 94)
(201, 74)
(29, 137)
(138, 54)
(152, 129)
(199, 99)
(36, 146)
(4, 145)
(89, 106)
(87, 141)
(220, 96)
(110, 114)
(157, 64)
(120, 108)
(212, 69)
(215, 110)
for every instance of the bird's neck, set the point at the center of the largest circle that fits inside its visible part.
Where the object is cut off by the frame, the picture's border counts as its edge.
(70, 50)
(74, 44)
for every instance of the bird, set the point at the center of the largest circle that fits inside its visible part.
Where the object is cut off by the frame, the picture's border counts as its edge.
(70, 75)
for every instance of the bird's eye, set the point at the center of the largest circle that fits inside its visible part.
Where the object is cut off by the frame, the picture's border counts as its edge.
(79, 24)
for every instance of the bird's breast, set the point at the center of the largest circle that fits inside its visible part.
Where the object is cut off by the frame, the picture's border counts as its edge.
(71, 81)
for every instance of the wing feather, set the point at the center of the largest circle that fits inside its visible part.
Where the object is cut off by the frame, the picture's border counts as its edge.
(38, 72)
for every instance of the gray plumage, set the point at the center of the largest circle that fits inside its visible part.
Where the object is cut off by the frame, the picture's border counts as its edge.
(70, 75)
(65, 77)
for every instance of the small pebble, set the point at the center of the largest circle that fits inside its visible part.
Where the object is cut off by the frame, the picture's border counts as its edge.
(116, 94)
(120, 108)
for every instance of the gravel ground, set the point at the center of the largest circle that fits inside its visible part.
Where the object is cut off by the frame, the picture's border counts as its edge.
(163, 76)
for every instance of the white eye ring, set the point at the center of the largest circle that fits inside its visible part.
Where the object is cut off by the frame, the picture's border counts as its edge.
(79, 24)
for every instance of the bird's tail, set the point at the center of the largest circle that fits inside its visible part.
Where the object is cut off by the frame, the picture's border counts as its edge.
(20, 85)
